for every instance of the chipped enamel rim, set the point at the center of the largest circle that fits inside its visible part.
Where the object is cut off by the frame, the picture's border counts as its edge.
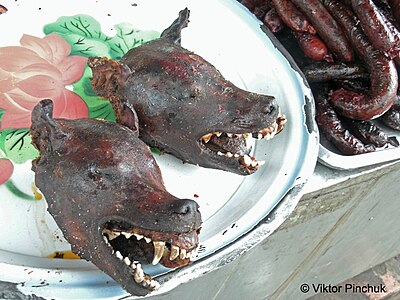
(290, 158)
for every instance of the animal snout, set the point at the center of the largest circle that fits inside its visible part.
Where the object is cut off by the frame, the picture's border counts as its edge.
(185, 207)
(270, 107)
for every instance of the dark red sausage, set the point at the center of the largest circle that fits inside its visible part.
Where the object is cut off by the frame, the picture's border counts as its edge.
(313, 47)
(370, 133)
(273, 21)
(293, 17)
(383, 74)
(377, 28)
(327, 28)
(395, 5)
(392, 117)
(334, 131)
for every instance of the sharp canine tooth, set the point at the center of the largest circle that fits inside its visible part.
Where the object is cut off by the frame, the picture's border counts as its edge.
(217, 133)
(139, 274)
(174, 252)
(158, 252)
(247, 159)
(259, 136)
(119, 255)
(182, 255)
(138, 236)
(207, 137)
(148, 240)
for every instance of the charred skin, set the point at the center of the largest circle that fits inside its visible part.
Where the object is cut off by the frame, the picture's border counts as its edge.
(100, 181)
(181, 99)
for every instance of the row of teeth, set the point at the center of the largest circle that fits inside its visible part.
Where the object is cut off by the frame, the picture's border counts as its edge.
(266, 133)
(246, 159)
(138, 274)
(159, 246)
(207, 137)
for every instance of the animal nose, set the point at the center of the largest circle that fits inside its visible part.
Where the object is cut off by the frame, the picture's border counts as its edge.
(270, 107)
(185, 207)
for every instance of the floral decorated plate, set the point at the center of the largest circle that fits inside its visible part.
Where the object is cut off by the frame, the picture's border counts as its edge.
(44, 48)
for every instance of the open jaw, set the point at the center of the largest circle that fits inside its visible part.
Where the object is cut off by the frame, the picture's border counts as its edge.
(135, 246)
(238, 146)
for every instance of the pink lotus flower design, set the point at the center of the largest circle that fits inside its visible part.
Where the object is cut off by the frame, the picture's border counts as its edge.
(6, 169)
(38, 69)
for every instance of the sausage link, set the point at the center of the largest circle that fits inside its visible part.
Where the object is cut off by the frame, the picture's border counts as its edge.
(370, 133)
(392, 117)
(395, 5)
(380, 33)
(327, 28)
(313, 47)
(293, 17)
(273, 21)
(382, 71)
(322, 71)
(332, 127)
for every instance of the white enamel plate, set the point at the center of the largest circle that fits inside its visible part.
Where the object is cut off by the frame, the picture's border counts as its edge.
(50, 41)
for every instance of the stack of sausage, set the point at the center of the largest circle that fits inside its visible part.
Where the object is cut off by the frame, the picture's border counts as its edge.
(349, 51)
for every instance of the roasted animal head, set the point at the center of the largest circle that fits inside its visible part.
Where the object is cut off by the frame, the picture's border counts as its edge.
(184, 104)
(105, 191)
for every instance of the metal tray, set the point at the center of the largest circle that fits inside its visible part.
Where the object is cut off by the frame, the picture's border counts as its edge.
(238, 212)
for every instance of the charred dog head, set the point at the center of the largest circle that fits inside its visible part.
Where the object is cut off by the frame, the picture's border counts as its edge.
(184, 104)
(105, 191)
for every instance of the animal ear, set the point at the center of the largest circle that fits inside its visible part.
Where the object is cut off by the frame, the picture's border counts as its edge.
(173, 32)
(128, 118)
(44, 131)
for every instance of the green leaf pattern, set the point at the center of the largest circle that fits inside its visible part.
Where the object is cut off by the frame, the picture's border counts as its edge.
(86, 38)
(16, 144)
